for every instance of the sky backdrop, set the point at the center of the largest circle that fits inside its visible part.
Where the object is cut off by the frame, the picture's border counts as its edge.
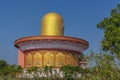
(21, 18)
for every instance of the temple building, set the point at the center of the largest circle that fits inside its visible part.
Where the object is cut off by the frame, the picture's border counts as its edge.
(51, 48)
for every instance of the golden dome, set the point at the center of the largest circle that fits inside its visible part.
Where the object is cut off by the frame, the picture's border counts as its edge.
(52, 16)
(52, 24)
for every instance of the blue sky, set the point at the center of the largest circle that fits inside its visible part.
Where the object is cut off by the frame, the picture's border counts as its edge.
(20, 18)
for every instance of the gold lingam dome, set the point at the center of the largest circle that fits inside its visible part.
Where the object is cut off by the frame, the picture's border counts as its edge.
(52, 25)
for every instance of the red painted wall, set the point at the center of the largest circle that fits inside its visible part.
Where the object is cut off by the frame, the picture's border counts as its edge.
(21, 58)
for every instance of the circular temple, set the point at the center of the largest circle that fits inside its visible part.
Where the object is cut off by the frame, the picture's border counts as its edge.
(52, 48)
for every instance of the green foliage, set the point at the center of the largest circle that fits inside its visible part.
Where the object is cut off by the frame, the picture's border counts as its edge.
(111, 27)
(9, 71)
(70, 72)
(105, 67)
(3, 64)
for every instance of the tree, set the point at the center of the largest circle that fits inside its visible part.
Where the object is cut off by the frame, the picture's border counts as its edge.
(111, 27)
(3, 64)
(105, 67)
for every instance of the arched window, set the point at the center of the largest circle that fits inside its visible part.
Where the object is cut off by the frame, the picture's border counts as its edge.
(48, 59)
(29, 60)
(60, 59)
(70, 60)
(37, 59)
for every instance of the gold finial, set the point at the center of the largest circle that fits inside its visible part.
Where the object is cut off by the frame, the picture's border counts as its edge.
(52, 25)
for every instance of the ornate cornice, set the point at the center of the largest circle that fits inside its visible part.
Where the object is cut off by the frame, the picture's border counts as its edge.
(51, 42)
